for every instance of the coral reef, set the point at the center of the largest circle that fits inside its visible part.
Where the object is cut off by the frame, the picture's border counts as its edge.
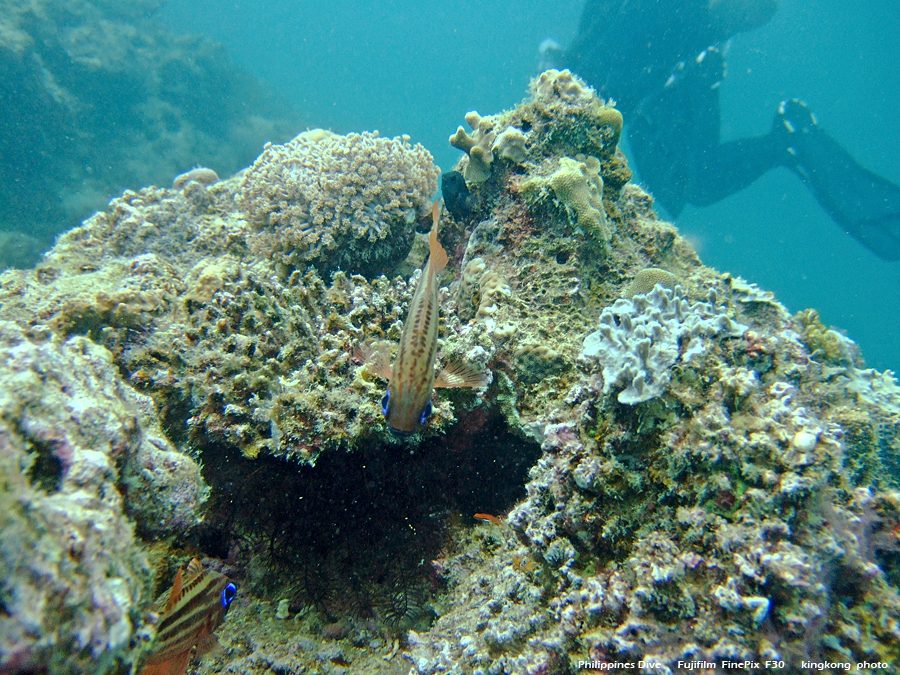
(704, 477)
(562, 118)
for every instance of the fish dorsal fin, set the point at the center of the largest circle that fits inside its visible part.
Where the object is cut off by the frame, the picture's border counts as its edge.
(175, 593)
(194, 575)
(194, 570)
(439, 256)
(459, 374)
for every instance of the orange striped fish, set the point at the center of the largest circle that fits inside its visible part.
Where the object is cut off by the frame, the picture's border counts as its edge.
(407, 403)
(194, 608)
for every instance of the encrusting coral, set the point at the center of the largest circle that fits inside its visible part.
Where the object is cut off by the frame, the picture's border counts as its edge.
(710, 478)
(577, 185)
(646, 279)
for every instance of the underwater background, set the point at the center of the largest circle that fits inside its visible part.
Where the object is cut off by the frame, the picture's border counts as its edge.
(631, 455)
(408, 67)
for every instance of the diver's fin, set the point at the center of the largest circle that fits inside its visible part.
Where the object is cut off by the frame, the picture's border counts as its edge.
(863, 203)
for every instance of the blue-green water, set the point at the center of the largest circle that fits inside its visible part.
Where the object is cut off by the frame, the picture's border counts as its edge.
(416, 68)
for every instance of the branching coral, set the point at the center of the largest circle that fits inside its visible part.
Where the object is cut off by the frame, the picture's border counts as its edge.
(477, 146)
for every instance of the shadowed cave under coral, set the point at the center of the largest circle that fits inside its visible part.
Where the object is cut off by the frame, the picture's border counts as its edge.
(357, 534)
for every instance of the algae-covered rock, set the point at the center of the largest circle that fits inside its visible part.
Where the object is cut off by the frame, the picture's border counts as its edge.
(80, 452)
(101, 95)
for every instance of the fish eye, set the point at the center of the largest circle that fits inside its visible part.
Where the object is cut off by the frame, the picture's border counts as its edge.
(426, 413)
(228, 594)
(384, 402)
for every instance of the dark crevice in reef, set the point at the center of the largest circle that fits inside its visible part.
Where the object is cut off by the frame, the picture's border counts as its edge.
(46, 471)
(355, 535)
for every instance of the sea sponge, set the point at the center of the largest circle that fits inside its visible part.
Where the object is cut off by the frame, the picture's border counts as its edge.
(477, 146)
(577, 185)
(646, 279)
(348, 202)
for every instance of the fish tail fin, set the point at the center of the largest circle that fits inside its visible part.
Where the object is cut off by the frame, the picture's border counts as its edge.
(439, 256)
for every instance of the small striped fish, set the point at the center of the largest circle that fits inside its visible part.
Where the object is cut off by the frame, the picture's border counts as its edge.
(407, 403)
(194, 608)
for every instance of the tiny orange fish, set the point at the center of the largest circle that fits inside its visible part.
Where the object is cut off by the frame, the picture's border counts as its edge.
(487, 517)
(411, 380)
(191, 611)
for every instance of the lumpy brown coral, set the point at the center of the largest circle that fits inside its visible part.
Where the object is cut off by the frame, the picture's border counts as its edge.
(348, 202)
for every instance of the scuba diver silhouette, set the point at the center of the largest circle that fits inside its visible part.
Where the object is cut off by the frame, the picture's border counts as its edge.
(660, 61)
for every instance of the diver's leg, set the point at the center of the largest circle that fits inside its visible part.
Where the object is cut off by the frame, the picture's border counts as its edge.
(866, 205)
(674, 136)
(727, 168)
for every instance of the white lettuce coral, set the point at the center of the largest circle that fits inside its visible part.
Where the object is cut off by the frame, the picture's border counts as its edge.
(638, 339)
